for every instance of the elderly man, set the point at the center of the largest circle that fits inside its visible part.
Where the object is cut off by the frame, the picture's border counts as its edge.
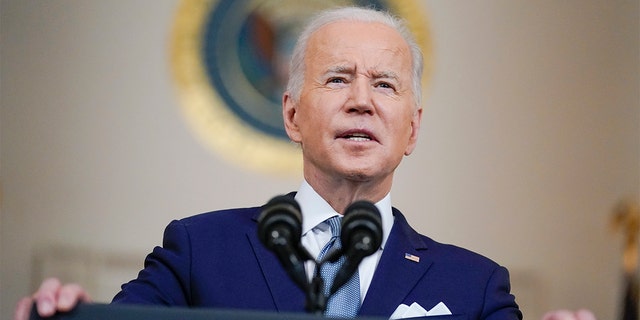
(353, 106)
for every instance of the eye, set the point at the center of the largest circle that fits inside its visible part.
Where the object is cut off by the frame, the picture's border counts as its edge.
(336, 80)
(385, 85)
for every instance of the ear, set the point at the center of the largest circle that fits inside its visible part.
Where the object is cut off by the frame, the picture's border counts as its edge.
(416, 120)
(289, 114)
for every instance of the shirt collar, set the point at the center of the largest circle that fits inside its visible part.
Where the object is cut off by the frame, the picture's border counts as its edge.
(316, 210)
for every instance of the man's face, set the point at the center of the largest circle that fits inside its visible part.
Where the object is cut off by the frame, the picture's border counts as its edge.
(356, 117)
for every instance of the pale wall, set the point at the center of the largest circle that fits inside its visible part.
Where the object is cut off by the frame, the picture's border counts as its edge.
(531, 134)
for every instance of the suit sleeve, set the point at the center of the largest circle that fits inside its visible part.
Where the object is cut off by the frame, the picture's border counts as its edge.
(165, 279)
(499, 303)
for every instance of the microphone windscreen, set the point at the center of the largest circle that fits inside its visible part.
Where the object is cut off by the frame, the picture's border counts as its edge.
(282, 214)
(362, 218)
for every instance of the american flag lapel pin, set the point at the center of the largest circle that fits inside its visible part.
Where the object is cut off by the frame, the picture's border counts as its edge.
(411, 257)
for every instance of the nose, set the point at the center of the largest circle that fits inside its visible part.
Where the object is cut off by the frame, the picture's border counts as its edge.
(360, 100)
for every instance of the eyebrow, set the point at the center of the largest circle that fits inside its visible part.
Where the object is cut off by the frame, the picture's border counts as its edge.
(375, 74)
(386, 75)
(341, 70)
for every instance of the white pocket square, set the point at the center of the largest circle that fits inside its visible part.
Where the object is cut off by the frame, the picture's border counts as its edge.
(415, 310)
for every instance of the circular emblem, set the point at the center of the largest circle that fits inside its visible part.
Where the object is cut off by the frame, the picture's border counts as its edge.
(230, 62)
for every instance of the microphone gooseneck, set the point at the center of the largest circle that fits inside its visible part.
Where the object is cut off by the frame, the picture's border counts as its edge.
(361, 236)
(280, 230)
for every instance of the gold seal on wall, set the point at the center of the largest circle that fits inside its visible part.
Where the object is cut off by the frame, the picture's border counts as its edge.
(230, 62)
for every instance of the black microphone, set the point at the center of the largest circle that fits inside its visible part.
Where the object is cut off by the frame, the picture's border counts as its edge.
(361, 236)
(280, 230)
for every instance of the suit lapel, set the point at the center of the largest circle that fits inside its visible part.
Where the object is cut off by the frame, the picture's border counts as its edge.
(286, 295)
(396, 275)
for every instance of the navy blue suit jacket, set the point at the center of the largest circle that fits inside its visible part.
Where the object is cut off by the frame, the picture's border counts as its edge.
(215, 260)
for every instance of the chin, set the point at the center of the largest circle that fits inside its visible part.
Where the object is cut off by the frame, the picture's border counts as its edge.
(360, 174)
(359, 177)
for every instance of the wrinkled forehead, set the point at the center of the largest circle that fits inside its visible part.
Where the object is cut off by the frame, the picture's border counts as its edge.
(362, 45)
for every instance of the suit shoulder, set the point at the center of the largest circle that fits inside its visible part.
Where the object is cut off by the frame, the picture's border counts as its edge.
(225, 218)
(459, 255)
(444, 252)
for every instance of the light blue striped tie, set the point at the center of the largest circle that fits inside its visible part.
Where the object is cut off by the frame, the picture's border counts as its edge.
(345, 303)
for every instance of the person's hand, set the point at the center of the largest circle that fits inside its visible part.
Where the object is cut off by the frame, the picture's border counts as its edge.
(52, 296)
(569, 315)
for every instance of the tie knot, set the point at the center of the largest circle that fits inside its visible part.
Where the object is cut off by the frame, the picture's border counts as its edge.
(334, 223)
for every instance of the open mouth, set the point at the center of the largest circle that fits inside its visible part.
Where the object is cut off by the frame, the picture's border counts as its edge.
(358, 136)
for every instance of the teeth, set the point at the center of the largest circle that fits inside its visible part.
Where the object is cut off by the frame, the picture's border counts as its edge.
(358, 137)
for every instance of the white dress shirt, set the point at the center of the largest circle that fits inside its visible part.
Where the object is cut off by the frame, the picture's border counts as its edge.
(315, 233)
